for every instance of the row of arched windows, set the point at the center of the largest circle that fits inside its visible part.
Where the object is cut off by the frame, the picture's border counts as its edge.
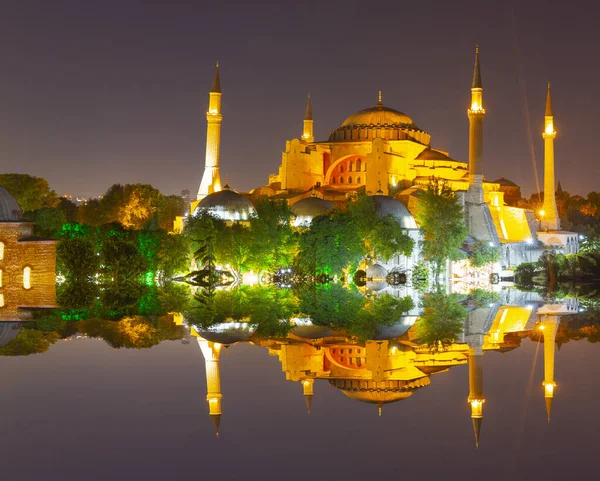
(341, 180)
(352, 167)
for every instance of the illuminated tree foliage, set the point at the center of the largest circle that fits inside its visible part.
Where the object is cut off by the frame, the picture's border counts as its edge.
(441, 219)
(442, 320)
(484, 254)
(32, 193)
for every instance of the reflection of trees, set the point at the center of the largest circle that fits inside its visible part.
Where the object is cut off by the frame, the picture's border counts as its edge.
(442, 320)
(29, 341)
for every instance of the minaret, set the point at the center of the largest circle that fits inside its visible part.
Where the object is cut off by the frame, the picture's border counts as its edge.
(476, 398)
(307, 132)
(211, 180)
(307, 386)
(211, 352)
(476, 115)
(549, 326)
(549, 217)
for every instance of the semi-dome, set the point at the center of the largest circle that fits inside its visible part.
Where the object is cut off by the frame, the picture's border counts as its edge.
(8, 331)
(304, 328)
(384, 333)
(227, 205)
(379, 122)
(307, 209)
(9, 208)
(385, 205)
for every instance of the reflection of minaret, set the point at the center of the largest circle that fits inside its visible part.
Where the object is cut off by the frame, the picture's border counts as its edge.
(211, 179)
(550, 220)
(307, 386)
(211, 352)
(549, 326)
(476, 397)
(307, 132)
(476, 115)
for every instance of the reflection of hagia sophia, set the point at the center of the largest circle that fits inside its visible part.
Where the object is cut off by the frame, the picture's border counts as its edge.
(393, 366)
(383, 152)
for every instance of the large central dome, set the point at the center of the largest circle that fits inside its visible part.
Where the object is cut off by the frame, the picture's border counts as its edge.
(379, 122)
(378, 115)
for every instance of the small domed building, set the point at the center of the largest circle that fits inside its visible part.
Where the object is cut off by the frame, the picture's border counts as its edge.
(307, 209)
(27, 263)
(227, 205)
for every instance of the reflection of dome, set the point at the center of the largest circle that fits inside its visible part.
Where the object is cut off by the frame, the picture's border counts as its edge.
(306, 209)
(395, 330)
(227, 205)
(376, 271)
(385, 205)
(8, 331)
(9, 208)
(378, 392)
(227, 332)
(307, 330)
(379, 122)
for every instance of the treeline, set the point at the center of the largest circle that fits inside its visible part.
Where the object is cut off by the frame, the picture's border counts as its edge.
(135, 206)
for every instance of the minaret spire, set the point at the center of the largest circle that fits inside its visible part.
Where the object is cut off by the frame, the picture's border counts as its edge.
(476, 398)
(549, 327)
(211, 179)
(476, 115)
(307, 131)
(549, 214)
(211, 352)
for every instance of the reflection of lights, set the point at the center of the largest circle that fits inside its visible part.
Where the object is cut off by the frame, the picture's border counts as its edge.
(475, 107)
(550, 387)
(530, 307)
(529, 240)
(249, 278)
(541, 327)
(491, 244)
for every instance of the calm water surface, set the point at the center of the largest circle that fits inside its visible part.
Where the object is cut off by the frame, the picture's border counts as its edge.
(83, 410)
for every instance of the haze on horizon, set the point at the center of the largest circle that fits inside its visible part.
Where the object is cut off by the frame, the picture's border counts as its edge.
(116, 92)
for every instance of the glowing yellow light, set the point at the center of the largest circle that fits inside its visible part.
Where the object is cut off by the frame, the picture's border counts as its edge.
(542, 327)
(549, 128)
(475, 107)
(249, 278)
(1, 300)
(213, 111)
(27, 278)
(550, 387)
(542, 213)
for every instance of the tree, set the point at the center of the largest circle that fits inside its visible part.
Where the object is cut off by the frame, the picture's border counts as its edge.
(169, 207)
(76, 259)
(442, 320)
(484, 254)
(440, 217)
(48, 220)
(31, 193)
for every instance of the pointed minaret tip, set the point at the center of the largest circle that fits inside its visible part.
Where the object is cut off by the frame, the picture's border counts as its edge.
(308, 399)
(549, 407)
(216, 83)
(308, 113)
(476, 430)
(216, 419)
(476, 72)
(548, 103)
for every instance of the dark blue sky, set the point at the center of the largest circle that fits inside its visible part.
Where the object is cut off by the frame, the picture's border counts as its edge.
(98, 92)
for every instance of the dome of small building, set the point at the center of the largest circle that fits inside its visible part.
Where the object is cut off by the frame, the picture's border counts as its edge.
(305, 329)
(9, 208)
(385, 205)
(307, 209)
(227, 332)
(8, 331)
(504, 182)
(227, 205)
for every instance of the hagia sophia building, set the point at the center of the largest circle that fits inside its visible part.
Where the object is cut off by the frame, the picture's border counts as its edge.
(383, 152)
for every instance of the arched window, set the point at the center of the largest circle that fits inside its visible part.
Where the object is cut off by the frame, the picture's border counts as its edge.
(341, 168)
(350, 166)
(27, 278)
(358, 165)
(1, 300)
(333, 180)
(358, 180)
(341, 180)
(350, 179)
(0, 277)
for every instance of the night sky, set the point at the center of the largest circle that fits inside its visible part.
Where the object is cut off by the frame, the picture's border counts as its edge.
(98, 92)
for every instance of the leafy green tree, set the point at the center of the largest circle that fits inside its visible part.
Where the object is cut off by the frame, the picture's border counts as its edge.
(442, 320)
(122, 262)
(381, 311)
(169, 207)
(174, 255)
(48, 220)
(31, 193)
(90, 213)
(484, 254)
(29, 341)
(68, 208)
(76, 259)
(203, 231)
(235, 247)
(440, 217)
(387, 239)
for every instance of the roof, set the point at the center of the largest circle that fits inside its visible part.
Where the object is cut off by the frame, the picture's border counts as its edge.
(431, 154)
(378, 392)
(227, 205)
(476, 84)
(9, 208)
(227, 332)
(378, 115)
(504, 182)
(385, 205)
(311, 206)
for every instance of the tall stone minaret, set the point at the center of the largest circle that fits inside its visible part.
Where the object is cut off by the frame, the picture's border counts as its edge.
(211, 352)
(307, 131)
(211, 180)
(476, 115)
(549, 216)
(549, 326)
(476, 398)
